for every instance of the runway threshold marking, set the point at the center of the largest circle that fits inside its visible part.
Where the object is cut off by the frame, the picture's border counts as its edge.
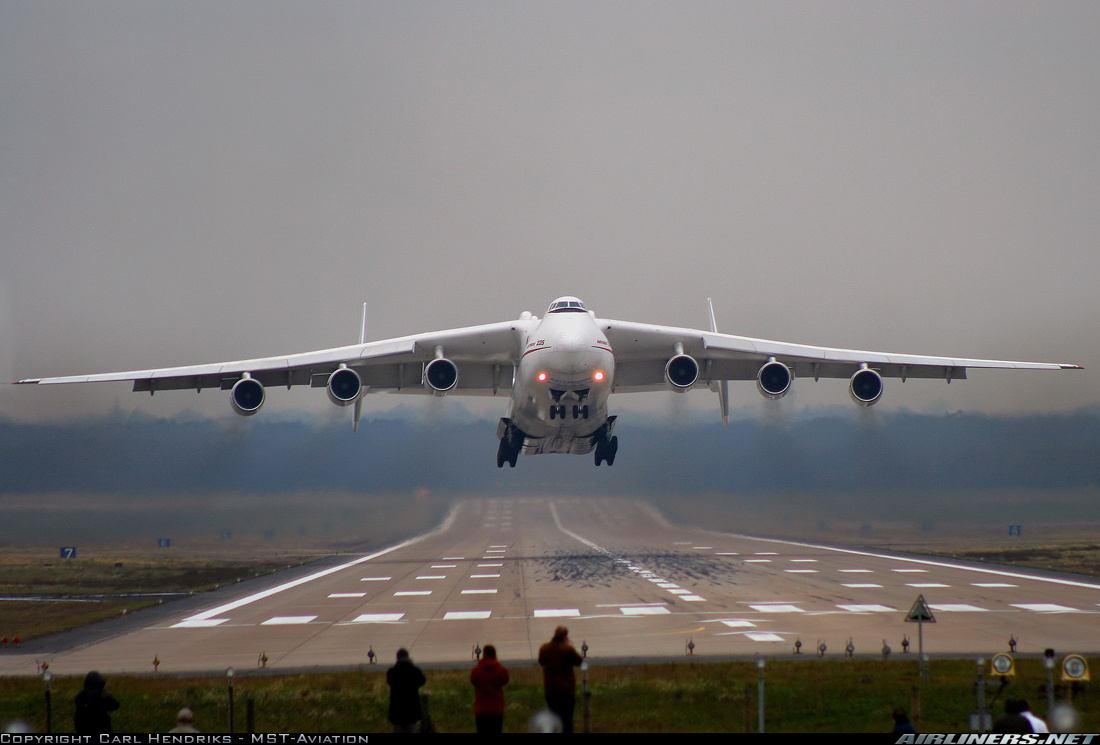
(213, 612)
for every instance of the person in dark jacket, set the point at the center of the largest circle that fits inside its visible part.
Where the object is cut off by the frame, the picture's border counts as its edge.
(94, 706)
(489, 678)
(405, 680)
(558, 658)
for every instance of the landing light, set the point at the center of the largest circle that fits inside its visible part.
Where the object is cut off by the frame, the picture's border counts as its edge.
(598, 376)
(541, 377)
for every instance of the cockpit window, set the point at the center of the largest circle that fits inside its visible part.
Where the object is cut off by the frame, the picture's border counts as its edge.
(567, 306)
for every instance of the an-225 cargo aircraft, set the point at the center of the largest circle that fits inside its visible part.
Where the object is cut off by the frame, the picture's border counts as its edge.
(558, 371)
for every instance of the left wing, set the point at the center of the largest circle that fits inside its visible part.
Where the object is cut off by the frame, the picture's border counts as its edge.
(642, 353)
(481, 357)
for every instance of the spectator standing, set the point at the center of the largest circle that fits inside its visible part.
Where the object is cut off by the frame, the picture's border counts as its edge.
(184, 722)
(558, 658)
(1037, 724)
(489, 678)
(94, 706)
(405, 680)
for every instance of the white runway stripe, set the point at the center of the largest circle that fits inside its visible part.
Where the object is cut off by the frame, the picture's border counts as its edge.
(348, 595)
(645, 610)
(410, 593)
(461, 615)
(288, 620)
(777, 608)
(557, 613)
(379, 618)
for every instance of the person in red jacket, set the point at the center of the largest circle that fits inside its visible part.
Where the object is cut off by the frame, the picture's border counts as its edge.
(489, 678)
(558, 658)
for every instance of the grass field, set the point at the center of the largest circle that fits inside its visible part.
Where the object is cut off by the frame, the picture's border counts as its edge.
(808, 695)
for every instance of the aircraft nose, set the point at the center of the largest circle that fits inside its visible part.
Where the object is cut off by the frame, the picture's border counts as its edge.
(572, 349)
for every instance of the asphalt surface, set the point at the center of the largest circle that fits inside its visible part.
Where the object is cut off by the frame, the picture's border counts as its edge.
(626, 583)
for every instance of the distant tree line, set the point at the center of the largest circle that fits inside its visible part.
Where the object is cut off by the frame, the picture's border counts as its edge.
(831, 452)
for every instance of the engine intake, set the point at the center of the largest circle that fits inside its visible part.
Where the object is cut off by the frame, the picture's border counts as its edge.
(344, 387)
(865, 387)
(440, 375)
(682, 371)
(247, 396)
(774, 380)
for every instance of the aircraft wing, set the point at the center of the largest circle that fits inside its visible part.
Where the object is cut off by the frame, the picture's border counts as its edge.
(642, 350)
(484, 356)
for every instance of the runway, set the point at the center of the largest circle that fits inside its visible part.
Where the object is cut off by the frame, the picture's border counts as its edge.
(625, 582)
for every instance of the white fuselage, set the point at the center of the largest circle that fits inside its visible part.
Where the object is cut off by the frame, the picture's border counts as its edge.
(565, 375)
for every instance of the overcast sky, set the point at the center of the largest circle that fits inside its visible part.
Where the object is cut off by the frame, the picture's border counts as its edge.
(185, 182)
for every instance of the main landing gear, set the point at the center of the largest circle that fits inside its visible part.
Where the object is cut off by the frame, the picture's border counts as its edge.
(606, 449)
(511, 442)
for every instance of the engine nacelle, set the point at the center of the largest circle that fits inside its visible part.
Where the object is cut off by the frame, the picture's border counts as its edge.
(865, 387)
(344, 387)
(682, 371)
(247, 396)
(773, 380)
(440, 375)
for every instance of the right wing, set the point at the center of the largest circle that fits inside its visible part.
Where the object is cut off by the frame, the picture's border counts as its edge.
(641, 351)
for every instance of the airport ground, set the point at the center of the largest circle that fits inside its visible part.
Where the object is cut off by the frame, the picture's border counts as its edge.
(809, 695)
(634, 586)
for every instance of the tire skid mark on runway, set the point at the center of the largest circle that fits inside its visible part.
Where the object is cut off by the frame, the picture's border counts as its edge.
(619, 560)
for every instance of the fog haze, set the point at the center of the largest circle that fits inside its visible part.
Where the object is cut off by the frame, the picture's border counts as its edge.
(188, 182)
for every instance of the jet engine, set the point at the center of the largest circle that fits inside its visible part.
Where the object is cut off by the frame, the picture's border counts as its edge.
(344, 387)
(682, 371)
(773, 380)
(247, 396)
(440, 375)
(865, 387)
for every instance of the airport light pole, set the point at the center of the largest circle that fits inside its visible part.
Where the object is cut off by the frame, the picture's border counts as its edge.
(1048, 663)
(46, 678)
(229, 680)
(760, 696)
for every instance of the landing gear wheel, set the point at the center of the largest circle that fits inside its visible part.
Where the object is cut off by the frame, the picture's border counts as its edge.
(613, 447)
(507, 453)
